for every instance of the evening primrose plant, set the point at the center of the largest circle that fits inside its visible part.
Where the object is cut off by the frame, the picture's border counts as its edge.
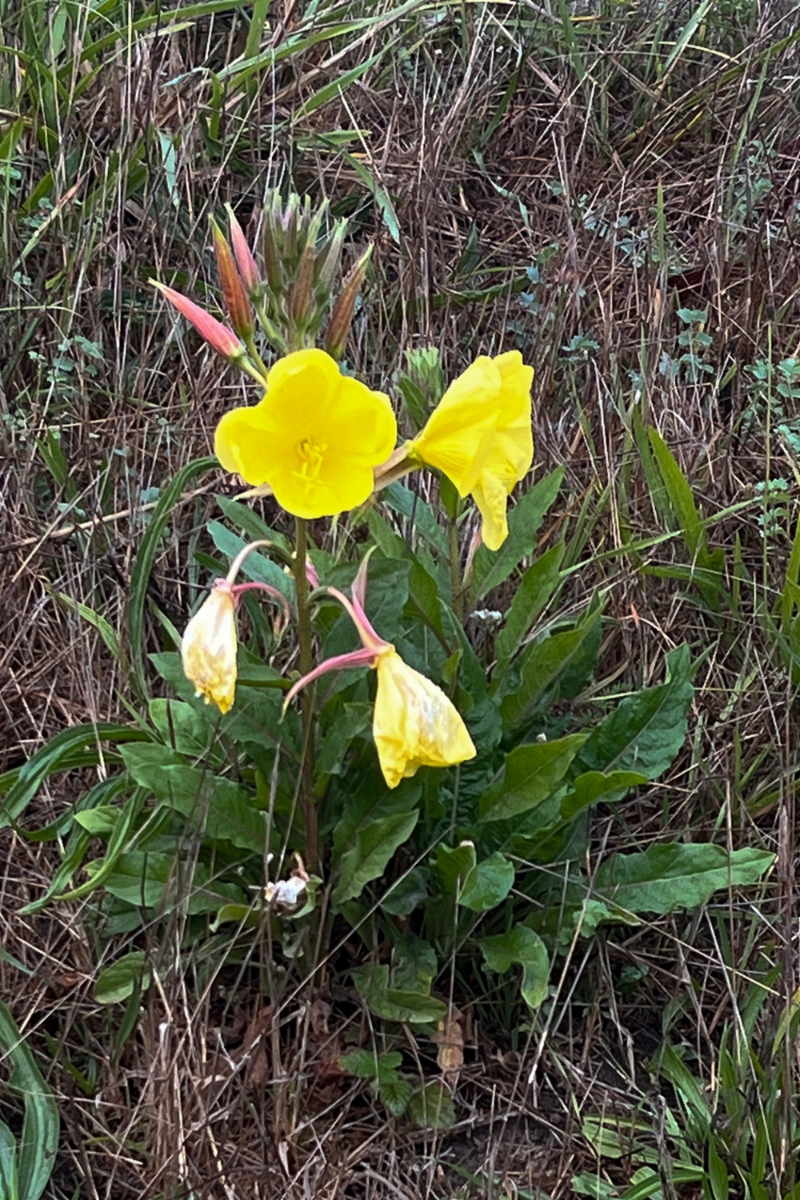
(377, 721)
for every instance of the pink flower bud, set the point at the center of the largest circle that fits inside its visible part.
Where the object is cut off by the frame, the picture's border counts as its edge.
(219, 336)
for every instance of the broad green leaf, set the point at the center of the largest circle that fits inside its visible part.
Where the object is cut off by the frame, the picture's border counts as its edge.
(100, 821)
(543, 663)
(362, 1063)
(258, 566)
(524, 521)
(9, 1170)
(407, 894)
(530, 775)
(488, 884)
(349, 722)
(154, 879)
(119, 980)
(41, 1125)
(678, 875)
(645, 731)
(534, 591)
(395, 1093)
(391, 1004)
(432, 1107)
(368, 857)
(520, 945)
(595, 785)
(453, 864)
(218, 807)
(181, 725)
(415, 964)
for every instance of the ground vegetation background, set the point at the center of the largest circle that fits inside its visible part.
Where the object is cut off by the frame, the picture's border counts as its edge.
(612, 188)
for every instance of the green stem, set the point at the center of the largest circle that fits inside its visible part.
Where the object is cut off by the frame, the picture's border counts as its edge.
(456, 582)
(307, 706)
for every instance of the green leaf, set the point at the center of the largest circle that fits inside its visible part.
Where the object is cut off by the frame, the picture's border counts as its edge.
(362, 1063)
(520, 945)
(542, 664)
(258, 566)
(679, 493)
(367, 858)
(9, 1170)
(453, 864)
(677, 875)
(534, 591)
(395, 1093)
(100, 821)
(432, 1107)
(530, 775)
(421, 516)
(407, 894)
(492, 568)
(152, 879)
(645, 731)
(119, 980)
(218, 807)
(60, 754)
(349, 722)
(488, 884)
(41, 1124)
(392, 1004)
(595, 785)
(184, 726)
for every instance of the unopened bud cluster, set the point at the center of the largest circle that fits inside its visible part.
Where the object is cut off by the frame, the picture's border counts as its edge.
(292, 296)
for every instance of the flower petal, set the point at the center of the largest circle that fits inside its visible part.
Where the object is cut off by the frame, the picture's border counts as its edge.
(415, 724)
(208, 648)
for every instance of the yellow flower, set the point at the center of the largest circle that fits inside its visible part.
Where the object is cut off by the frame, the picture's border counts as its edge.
(314, 438)
(208, 649)
(414, 725)
(480, 436)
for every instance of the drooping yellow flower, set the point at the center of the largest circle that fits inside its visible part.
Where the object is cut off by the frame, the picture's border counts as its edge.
(314, 438)
(415, 724)
(480, 436)
(208, 648)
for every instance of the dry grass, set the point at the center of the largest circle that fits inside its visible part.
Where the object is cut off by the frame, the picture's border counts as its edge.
(639, 178)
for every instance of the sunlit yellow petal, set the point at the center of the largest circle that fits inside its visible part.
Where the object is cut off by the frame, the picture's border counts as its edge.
(480, 436)
(314, 438)
(208, 649)
(415, 724)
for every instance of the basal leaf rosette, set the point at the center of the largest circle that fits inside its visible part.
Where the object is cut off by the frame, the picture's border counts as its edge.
(480, 437)
(314, 438)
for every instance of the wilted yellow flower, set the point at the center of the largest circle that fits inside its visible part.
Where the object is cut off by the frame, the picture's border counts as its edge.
(480, 436)
(314, 438)
(208, 648)
(415, 724)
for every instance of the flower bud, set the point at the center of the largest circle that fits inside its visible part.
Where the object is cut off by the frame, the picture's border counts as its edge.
(236, 300)
(342, 315)
(248, 270)
(219, 336)
(208, 648)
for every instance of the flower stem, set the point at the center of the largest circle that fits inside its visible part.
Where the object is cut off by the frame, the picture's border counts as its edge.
(306, 666)
(456, 581)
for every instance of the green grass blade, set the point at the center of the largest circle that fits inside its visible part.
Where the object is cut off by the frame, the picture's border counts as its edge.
(41, 1126)
(140, 576)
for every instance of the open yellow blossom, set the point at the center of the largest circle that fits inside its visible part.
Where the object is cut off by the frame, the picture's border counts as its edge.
(208, 648)
(415, 724)
(480, 436)
(314, 438)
